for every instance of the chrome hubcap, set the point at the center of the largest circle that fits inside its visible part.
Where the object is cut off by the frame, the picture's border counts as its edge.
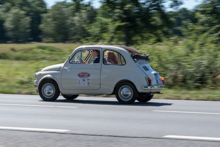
(48, 90)
(125, 93)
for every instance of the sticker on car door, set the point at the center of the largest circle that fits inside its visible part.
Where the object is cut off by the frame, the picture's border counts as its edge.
(83, 79)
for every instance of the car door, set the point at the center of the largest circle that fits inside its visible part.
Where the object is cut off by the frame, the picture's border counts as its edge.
(79, 75)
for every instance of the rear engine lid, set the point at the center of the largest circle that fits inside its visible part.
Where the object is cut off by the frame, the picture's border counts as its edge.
(150, 72)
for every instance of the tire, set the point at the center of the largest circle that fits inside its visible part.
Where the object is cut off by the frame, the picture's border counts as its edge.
(145, 97)
(49, 90)
(126, 93)
(69, 97)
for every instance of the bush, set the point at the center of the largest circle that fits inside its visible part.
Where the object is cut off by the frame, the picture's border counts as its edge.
(48, 40)
(193, 64)
(48, 48)
(5, 55)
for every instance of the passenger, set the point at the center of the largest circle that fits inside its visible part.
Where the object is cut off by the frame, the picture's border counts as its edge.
(111, 58)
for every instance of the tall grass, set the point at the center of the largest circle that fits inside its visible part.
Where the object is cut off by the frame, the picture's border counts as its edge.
(15, 78)
(38, 53)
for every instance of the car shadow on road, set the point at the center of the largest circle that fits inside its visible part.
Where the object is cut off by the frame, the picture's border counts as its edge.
(106, 102)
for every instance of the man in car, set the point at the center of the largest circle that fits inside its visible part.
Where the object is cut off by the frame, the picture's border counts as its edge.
(96, 55)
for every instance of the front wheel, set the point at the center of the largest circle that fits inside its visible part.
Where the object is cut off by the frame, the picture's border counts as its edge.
(126, 93)
(49, 90)
(145, 97)
(69, 97)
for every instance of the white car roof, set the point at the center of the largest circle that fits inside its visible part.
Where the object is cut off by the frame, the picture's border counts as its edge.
(129, 49)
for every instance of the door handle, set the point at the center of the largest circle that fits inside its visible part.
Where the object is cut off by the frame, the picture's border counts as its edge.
(65, 68)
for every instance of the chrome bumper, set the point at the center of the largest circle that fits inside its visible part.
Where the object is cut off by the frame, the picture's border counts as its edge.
(35, 85)
(153, 89)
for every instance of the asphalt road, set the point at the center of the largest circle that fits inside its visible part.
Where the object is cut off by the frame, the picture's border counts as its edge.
(26, 120)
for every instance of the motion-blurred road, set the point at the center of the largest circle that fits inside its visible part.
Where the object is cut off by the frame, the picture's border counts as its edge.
(26, 120)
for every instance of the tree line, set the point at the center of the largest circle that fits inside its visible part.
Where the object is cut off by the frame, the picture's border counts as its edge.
(127, 21)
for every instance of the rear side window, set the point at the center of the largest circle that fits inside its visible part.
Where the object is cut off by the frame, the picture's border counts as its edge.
(114, 58)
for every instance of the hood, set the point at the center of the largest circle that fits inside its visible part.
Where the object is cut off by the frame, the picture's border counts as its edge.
(55, 67)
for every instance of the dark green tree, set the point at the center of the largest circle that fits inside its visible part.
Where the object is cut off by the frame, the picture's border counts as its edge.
(138, 17)
(17, 25)
(55, 23)
(34, 9)
(179, 18)
(2, 31)
(38, 7)
(80, 22)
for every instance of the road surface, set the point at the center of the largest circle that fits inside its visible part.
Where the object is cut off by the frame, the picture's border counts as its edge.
(26, 120)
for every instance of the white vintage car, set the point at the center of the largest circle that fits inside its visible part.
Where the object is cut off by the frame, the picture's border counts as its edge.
(98, 70)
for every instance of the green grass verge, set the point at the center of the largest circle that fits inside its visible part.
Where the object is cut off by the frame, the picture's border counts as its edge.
(18, 76)
(204, 94)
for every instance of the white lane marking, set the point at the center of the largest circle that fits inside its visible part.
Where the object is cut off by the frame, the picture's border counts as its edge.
(192, 137)
(48, 106)
(33, 129)
(186, 112)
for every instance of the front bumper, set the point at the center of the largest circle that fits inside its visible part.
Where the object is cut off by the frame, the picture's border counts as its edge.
(153, 89)
(35, 85)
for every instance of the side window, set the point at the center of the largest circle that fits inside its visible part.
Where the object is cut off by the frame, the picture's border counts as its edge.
(122, 60)
(86, 57)
(85, 54)
(91, 59)
(76, 58)
(114, 58)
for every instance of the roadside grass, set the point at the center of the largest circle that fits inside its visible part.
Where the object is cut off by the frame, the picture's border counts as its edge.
(18, 76)
(50, 53)
(63, 46)
(205, 94)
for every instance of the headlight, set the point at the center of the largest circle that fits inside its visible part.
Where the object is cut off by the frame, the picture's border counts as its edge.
(38, 73)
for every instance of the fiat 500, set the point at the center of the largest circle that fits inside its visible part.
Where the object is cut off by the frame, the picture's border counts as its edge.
(98, 70)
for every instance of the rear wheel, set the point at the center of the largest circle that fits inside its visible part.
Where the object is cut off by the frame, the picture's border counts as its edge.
(126, 93)
(145, 97)
(69, 97)
(49, 90)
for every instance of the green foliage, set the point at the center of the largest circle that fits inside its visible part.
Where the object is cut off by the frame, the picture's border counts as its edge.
(128, 22)
(60, 25)
(17, 25)
(138, 18)
(48, 40)
(15, 78)
(29, 20)
(48, 48)
(4, 55)
(40, 52)
(190, 64)
(55, 24)
(104, 30)
(179, 18)
(205, 94)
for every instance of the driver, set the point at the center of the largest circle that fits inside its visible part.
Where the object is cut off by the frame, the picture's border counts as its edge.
(96, 55)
